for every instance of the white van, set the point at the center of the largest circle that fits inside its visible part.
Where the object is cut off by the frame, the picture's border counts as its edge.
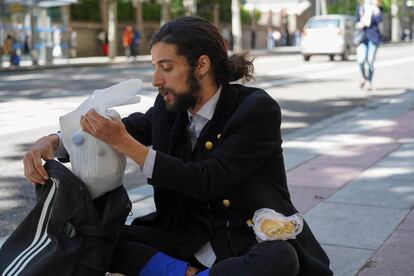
(328, 35)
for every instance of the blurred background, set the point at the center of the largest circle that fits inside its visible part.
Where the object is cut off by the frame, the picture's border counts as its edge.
(40, 31)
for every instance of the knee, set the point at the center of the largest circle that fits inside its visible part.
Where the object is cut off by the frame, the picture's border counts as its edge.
(281, 258)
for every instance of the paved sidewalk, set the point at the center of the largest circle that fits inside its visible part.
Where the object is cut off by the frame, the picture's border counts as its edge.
(352, 176)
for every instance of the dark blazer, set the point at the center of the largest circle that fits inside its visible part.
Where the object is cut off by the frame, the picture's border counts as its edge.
(371, 33)
(236, 168)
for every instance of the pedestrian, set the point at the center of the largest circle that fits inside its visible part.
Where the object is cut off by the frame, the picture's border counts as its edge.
(135, 43)
(103, 42)
(127, 40)
(57, 40)
(270, 42)
(216, 159)
(73, 42)
(368, 16)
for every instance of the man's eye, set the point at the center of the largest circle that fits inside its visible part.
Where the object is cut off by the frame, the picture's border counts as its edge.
(167, 69)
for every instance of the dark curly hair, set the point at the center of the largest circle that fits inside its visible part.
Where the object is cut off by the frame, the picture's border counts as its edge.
(194, 37)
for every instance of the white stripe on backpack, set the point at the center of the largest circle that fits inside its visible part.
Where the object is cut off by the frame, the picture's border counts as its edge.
(40, 240)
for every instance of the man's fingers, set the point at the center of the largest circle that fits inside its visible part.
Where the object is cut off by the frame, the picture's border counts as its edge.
(93, 115)
(32, 171)
(87, 125)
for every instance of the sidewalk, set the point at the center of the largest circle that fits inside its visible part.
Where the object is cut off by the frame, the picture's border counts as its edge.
(352, 176)
(26, 63)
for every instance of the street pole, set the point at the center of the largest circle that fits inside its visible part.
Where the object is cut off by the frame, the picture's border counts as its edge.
(394, 21)
(324, 9)
(1, 34)
(112, 28)
(165, 12)
(317, 7)
(236, 26)
(139, 24)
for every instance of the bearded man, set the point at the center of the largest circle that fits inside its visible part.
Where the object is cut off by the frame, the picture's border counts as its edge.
(216, 158)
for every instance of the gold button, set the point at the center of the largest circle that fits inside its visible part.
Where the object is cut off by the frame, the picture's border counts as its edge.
(249, 222)
(226, 203)
(208, 145)
(218, 136)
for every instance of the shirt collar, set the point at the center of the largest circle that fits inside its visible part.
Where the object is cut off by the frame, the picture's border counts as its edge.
(207, 110)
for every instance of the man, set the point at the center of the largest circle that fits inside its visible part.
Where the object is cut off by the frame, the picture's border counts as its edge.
(216, 158)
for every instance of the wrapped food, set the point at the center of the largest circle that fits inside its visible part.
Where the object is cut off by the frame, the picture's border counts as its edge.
(271, 225)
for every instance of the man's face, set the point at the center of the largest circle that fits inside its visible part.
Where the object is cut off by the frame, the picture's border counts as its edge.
(174, 78)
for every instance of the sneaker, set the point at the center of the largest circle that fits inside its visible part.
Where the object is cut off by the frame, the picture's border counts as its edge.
(369, 87)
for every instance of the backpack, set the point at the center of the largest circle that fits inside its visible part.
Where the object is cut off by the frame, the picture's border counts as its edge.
(66, 233)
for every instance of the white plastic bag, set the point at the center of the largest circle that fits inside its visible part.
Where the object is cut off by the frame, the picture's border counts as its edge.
(93, 161)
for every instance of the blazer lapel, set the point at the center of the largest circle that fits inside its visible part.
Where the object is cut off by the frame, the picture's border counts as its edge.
(178, 133)
(225, 107)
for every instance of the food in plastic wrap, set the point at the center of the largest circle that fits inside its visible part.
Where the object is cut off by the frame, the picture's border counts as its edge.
(271, 225)
(93, 161)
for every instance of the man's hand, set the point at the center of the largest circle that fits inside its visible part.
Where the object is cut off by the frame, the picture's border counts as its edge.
(43, 148)
(110, 131)
(114, 133)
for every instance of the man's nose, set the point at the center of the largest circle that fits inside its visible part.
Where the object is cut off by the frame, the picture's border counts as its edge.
(157, 80)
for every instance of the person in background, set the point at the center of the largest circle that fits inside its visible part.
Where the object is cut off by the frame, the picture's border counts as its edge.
(216, 159)
(73, 42)
(135, 43)
(102, 38)
(270, 42)
(127, 40)
(368, 16)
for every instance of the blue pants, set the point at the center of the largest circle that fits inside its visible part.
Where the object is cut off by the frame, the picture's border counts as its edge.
(366, 54)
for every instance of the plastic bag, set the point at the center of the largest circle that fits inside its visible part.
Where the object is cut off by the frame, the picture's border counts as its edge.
(93, 161)
(271, 225)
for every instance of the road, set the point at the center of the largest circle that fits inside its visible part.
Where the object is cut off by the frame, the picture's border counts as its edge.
(31, 103)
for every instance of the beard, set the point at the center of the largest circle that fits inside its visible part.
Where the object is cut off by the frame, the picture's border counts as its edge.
(186, 99)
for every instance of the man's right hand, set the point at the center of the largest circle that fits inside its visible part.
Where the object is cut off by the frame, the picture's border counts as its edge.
(44, 148)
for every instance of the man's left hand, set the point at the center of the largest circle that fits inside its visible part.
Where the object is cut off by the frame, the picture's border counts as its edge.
(109, 131)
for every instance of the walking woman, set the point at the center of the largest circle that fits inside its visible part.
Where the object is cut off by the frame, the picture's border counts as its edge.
(368, 16)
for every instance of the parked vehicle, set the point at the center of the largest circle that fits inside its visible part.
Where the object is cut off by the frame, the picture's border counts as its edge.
(328, 35)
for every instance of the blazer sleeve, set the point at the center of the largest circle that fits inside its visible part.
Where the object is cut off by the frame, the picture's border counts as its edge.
(253, 136)
(139, 126)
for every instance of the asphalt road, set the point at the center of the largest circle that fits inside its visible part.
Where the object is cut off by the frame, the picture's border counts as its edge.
(31, 103)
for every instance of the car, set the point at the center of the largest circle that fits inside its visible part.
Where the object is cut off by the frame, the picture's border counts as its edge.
(328, 35)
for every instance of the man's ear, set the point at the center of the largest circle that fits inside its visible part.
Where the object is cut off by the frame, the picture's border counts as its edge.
(203, 66)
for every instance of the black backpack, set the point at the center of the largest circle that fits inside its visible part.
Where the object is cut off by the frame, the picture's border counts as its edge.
(66, 233)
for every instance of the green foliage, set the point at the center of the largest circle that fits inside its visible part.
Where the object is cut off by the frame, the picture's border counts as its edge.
(126, 11)
(151, 12)
(349, 6)
(246, 16)
(85, 10)
(343, 7)
(88, 10)
(177, 8)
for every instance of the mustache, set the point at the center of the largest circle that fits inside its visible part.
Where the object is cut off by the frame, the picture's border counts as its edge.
(165, 90)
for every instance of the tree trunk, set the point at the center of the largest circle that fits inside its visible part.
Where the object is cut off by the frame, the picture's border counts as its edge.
(236, 26)
(395, 21)
(166, 11)
(216, 14)
(112, 28)
(103, 7)
(139, 23)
